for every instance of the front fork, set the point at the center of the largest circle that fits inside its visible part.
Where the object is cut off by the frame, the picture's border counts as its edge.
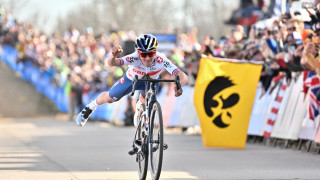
(141, 144)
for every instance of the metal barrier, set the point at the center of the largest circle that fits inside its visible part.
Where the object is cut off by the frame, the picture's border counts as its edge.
(178, 111)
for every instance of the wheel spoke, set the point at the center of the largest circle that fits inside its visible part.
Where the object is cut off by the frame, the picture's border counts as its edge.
(142, 141)
(156, 141)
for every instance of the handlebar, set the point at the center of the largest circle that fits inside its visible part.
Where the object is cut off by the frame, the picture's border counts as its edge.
(177, 80)
(146, 78)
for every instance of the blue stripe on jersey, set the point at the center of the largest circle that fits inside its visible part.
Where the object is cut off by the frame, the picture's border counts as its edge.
(175, 72)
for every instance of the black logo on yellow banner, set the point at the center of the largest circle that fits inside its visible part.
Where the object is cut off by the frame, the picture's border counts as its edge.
(216, 86)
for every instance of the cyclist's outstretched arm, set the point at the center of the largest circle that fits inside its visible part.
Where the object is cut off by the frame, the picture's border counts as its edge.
(183, 81)
(183, 78)
(112, 59)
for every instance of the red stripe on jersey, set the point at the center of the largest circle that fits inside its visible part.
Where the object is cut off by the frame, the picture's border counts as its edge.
(175, 72)
(154, 73)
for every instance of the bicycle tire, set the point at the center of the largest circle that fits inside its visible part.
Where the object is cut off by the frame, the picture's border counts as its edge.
(156, 141)
(142, 158)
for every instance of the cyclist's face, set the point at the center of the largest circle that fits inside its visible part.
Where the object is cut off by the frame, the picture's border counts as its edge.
(147, 58)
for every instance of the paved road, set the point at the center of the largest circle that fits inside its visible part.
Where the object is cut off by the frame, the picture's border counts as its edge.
(45, 148)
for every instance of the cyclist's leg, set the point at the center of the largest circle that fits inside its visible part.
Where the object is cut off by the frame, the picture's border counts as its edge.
(118, 90)
(121, 88)
(143, 93)
(141, 99)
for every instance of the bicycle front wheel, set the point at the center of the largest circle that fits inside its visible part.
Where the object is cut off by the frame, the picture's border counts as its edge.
(142, 156)
(156, 141)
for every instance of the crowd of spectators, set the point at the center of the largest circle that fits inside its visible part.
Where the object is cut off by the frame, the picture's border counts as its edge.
(76, 61)
(287, 45)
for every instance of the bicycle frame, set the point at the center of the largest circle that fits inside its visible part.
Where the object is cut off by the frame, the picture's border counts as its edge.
(150, 99)
(144, 137)
(151, 93)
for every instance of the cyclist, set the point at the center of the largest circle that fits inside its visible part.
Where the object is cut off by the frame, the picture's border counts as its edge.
(145, 60)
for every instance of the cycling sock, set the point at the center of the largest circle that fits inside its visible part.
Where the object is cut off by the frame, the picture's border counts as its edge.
(93, 104)
(135, 118)
(138, 104)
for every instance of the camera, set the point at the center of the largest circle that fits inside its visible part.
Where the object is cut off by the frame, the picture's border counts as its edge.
(307, 5)
(272, 32)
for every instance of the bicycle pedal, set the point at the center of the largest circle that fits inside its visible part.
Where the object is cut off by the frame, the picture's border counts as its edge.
(165, 146)
(133, 151)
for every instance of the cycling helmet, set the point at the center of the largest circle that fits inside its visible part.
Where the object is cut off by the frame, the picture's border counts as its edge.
(146, 42)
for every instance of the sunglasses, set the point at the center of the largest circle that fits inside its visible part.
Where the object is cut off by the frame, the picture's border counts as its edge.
(292, 29)
(147, 54)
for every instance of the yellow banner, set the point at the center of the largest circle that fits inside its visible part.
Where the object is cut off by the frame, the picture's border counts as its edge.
(224, 95)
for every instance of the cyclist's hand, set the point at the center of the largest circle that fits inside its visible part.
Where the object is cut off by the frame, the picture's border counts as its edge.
(178, 92)
(116, 50)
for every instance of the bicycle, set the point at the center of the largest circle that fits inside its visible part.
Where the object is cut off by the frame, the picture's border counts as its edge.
(148, 139)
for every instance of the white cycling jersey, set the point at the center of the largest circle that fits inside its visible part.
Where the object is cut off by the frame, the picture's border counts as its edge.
(136, 67)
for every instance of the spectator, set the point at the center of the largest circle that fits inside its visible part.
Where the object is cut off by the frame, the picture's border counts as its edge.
(208, 46)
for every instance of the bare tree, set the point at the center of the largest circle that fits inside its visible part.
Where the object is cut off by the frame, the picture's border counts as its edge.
(81, 18)
(150, 16)
(139, 15)
(14, 5)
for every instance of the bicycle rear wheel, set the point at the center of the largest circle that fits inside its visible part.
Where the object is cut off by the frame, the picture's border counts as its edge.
(156, 141)
(142, 156)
